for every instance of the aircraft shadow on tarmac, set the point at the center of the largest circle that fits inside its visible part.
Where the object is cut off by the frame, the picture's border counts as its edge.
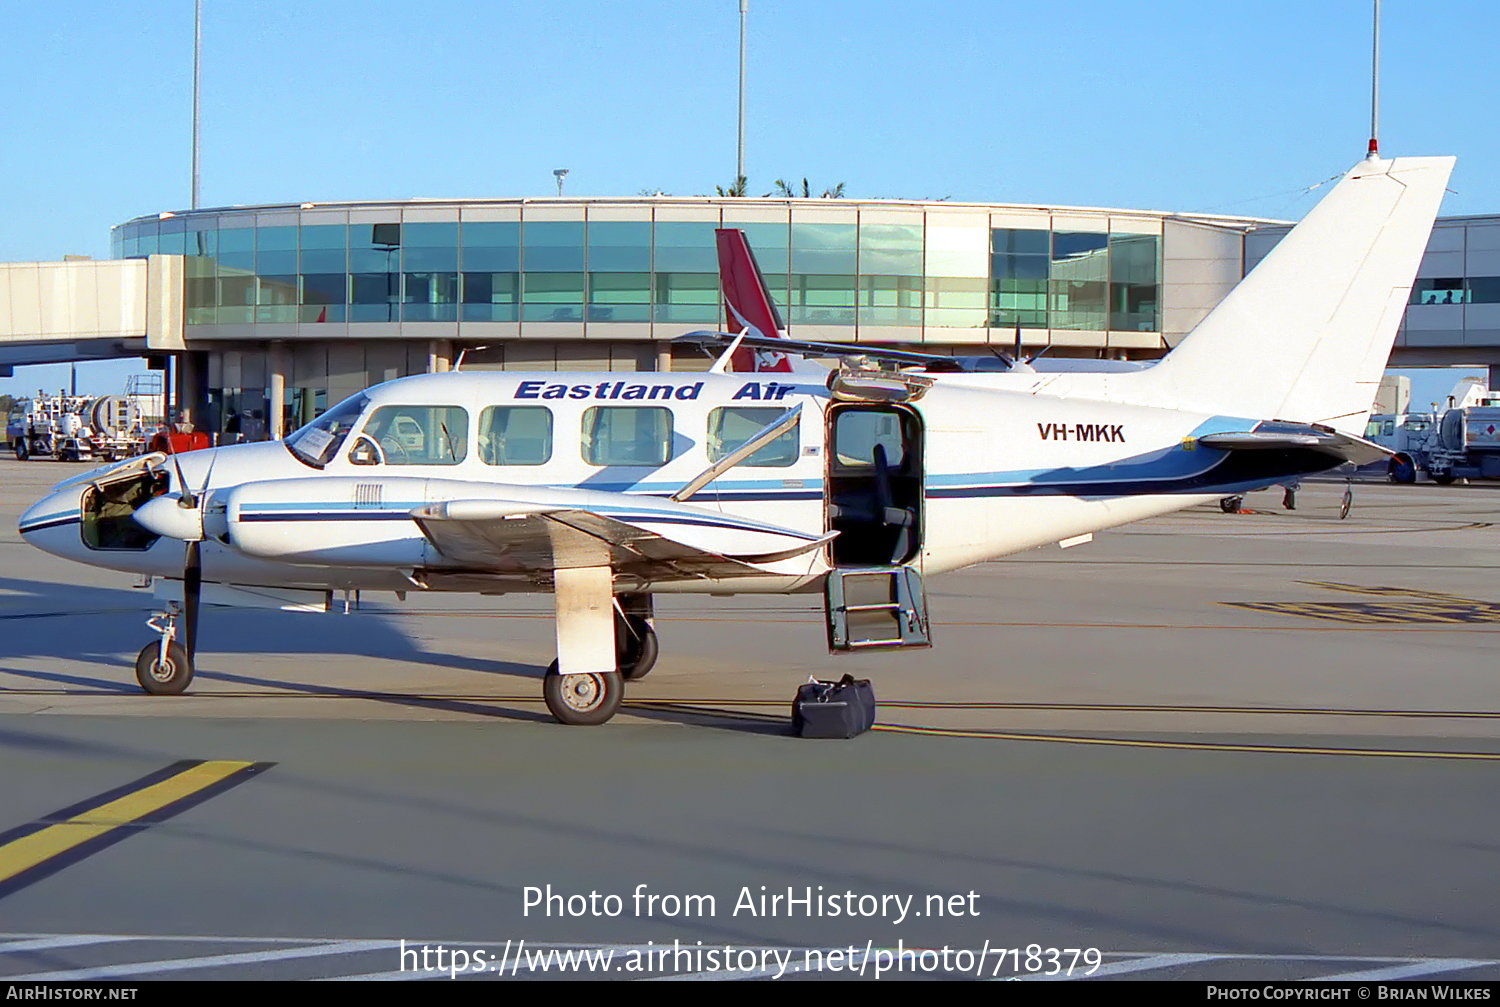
(105, 626)
(113, 624)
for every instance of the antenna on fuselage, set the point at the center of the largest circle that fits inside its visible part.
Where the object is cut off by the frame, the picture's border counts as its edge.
(459, 363)
(1373, 150)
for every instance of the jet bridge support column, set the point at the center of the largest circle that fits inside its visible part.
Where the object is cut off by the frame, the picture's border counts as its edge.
(192, 387)
(277, 368)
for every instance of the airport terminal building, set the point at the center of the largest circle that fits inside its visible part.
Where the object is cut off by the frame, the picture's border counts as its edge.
(305, 304)
(301, 305)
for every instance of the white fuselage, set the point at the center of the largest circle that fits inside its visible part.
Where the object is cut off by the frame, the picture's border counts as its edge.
(1003, 466)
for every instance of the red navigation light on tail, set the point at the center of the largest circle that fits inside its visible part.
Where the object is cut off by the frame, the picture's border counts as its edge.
(747, 303)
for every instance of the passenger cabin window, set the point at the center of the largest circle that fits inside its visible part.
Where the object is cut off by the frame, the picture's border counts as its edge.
(419, 435)
(731, 426)
(317, 443)
(627, 435)
(515, 435)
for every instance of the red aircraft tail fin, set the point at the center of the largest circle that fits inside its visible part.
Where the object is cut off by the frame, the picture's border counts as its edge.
(747, 303)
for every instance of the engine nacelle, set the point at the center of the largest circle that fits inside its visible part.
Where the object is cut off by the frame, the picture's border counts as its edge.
(329, 519)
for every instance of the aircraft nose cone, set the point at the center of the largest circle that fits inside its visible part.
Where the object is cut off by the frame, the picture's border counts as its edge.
(165, 517)
(52, 522)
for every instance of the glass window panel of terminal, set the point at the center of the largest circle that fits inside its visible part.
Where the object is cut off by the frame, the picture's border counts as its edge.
(691, 298)
(490, 246)
(491, 297)
(890, 300)
(1133, 282)
(552, 246)
(1439, 290)
(551, 297)
(619, 246)
(375, 248)
(826, 249)
(1020, 260)
(429, 247)
(822, 299)
(619, 297)
(686, 246)
(429, 297)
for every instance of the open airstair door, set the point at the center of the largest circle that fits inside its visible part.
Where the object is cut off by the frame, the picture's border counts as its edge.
(875, 474)
(882, 606)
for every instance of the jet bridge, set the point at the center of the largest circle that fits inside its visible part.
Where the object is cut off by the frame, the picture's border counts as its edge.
(85, 309)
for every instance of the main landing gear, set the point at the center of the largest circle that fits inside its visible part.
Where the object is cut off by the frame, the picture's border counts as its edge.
(591, 698)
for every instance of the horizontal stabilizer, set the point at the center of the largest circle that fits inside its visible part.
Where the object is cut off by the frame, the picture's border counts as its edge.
(1345, 447)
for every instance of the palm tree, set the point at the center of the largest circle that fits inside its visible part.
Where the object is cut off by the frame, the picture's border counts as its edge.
(784, 188)
(737, 189)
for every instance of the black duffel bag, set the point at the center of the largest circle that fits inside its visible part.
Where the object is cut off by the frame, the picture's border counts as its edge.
(839, 709)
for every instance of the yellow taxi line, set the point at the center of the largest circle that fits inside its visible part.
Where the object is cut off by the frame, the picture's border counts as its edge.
(36, 848)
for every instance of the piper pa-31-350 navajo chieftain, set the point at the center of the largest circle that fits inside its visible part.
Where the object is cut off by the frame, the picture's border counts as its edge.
(857, 480)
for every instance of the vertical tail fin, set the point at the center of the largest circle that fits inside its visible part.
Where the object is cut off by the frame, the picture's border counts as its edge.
(1306, 335)
(747, 302)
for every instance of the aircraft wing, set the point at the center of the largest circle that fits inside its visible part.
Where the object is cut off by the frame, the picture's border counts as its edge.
(1288, 437)
(649, 538)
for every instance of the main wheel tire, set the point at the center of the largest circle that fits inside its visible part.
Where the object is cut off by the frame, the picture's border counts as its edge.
(582, 700)
(160, 678)
(1402, 470)
(636, 648)
(1443, 478)
(1231, 505)
(21, 453)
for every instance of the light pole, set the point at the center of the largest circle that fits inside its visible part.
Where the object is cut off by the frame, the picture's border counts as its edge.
(739, 163)
(560, 174)
(1374, 148)
(197, 88)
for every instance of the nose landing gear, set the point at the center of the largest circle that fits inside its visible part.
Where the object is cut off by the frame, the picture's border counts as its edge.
(163, 667)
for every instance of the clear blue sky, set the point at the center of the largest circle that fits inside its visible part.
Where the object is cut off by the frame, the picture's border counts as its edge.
(1168, 104)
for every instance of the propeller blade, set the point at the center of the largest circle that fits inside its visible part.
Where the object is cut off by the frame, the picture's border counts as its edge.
(1018, 341)
(192, 591)
(185, 497)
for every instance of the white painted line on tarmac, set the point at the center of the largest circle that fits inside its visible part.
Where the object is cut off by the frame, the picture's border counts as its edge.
(1426, 967)
(1122, 968)
(43, 943)
(206, 962)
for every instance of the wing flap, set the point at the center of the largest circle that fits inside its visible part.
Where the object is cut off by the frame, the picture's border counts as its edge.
(652, 542)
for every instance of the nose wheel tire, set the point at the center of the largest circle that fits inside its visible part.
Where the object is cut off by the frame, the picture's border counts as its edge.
(582, 700)
(163, 677)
